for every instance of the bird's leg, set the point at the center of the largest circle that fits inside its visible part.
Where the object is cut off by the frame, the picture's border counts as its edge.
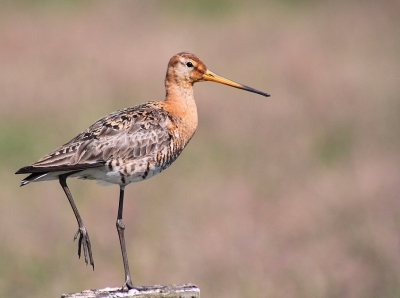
(121, 228)
(83, 234)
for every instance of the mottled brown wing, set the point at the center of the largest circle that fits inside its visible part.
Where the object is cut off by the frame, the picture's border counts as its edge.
(130, 133)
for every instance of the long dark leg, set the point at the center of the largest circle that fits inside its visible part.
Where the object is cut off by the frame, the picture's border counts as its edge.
(83, 234)
(121, 228)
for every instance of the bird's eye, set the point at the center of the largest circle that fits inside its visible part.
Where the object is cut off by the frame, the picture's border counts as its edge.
(189, 64)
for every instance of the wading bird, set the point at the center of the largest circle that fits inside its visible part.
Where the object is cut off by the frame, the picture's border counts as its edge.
(130, 145)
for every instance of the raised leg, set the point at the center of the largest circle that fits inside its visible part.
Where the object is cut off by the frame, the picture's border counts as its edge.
(121, 228)
(83, 234)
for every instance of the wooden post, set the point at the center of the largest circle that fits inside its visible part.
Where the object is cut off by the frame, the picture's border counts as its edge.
(158, 291)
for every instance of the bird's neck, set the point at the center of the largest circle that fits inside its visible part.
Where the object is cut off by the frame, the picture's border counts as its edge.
(180, 102)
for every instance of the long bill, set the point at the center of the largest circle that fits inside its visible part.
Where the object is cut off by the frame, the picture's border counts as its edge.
(210, 76)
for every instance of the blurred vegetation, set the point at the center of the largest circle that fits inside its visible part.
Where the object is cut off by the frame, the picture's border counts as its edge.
(335, 146)
(297, 195)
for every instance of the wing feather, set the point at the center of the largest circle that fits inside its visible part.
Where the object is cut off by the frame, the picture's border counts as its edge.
(130, 133)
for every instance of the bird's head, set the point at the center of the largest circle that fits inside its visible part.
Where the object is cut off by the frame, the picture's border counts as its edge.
(186, 67)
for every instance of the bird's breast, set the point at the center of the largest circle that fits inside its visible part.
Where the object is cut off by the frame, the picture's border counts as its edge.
(123, 171)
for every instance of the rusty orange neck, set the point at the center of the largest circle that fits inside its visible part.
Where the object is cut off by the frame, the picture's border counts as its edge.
(180, 102)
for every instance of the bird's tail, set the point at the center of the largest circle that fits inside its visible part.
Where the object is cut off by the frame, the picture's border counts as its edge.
(32, 177)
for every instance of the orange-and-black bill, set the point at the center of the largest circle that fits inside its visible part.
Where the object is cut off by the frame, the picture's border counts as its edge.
(210, 76)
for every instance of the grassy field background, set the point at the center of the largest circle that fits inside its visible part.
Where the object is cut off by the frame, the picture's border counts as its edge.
(297, 195)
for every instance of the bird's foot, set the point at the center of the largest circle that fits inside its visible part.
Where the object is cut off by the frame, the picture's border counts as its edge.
(128, 285)
(84, 242)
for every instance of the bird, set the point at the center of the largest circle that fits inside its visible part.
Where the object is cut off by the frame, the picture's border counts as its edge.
(130, 145)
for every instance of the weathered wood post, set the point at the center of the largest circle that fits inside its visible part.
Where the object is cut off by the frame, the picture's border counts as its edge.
(158, 291)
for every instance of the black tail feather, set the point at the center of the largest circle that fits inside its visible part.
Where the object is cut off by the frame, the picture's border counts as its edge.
(32, 177)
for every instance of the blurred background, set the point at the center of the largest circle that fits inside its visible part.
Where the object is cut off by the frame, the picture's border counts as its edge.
(296, 195)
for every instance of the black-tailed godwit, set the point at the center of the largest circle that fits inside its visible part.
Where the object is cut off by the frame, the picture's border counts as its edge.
(130, 145)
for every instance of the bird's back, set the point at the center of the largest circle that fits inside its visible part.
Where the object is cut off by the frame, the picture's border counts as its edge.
(128, 145)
